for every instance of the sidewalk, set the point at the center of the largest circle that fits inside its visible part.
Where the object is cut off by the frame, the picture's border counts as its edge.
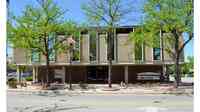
(116, 89)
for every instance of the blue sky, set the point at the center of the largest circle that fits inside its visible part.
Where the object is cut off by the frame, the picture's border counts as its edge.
(75, 13)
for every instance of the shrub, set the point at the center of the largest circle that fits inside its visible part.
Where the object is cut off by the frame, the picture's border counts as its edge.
(12, 83)
(30, 78)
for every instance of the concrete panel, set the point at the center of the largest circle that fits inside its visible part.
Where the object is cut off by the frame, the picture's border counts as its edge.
(85, 40)
(125, 49)
(62, 58)
(148, 54)
(103, 48)
(20, 56)
(168, 44)
(42, 59)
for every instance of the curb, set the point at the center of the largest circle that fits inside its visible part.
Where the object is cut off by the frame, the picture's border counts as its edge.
(56, 92)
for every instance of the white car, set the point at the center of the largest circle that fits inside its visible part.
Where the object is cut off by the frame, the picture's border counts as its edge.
(148, 76)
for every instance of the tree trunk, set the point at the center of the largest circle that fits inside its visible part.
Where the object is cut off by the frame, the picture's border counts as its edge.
(162, 78)
(70, 78)
(177, 57)
(110, 73)
(70, 67)
(47, 58)
(109, 41)
(47, 69)
(177, 71)
(70, 84)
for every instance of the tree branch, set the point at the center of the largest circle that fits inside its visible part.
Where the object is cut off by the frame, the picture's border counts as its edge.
(185, 43)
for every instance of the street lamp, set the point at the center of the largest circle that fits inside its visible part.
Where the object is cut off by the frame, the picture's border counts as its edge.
(71, 43)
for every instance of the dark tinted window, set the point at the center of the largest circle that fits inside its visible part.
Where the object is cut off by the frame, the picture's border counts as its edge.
(156, 53)
(93, 46)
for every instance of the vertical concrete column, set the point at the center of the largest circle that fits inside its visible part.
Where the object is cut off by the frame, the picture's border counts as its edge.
(143, 52)
(18, 74)
(63, 78)
(103, 48)
(148, 54)
(126, 74)
(85, 48)
(97, 48)
(37, 72)
(34, 74)
(115, 47)
(131, 52)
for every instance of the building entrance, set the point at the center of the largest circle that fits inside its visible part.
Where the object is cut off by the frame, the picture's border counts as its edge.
(97, 74)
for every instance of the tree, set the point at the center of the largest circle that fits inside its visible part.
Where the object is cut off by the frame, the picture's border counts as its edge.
(172, 18)
(186, 69)
(38, 28)
(108, 13)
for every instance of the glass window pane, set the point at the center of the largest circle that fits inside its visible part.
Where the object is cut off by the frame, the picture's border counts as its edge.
(93, 46)
(138, 51)
(112, 45)
(76, 50)
(35, 56)
(156, 53)
(52, 55)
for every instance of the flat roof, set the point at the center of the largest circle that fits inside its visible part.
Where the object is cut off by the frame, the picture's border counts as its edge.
(96, 64)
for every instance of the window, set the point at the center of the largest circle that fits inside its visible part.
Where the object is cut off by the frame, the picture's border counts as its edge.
(156, 49)
(138, 52)
(156, 53)
(93, 46)
(52, 55)
(76, 49)
(35, 56)
(112, 46)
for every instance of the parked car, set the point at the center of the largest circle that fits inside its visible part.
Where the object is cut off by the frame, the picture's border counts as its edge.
(15, 75)
(148, 76)
(26, 74)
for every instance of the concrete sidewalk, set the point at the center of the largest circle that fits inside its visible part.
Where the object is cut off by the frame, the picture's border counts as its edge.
(116, 89)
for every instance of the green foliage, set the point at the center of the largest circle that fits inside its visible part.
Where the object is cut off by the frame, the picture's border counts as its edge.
(165, 15)
(39, 28)
(12, 66)
(185, 69)
(30, 78)
(12, 83)
(106, 12)
(33, 29)
(173, 17)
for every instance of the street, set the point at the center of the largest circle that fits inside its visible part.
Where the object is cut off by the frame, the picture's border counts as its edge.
(23, 102)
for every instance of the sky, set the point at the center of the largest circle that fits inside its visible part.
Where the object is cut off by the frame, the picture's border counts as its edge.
(75, 13)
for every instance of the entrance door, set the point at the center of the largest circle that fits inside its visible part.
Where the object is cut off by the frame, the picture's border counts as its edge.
(97, 74)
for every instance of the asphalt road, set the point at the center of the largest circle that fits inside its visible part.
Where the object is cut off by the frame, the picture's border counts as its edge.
(22, 102)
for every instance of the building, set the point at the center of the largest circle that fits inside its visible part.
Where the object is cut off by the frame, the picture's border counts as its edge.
(90, 59)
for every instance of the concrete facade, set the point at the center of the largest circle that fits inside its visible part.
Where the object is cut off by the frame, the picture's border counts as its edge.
(124, 66)
(85, 40)
(20, 56)
(102, 48)
(125, 49)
